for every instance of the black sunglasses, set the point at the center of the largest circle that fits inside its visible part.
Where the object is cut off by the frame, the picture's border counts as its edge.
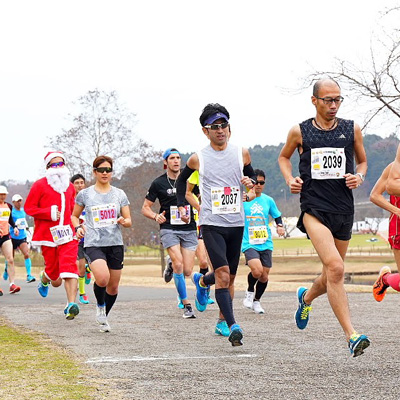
(260, 183)
(104, 169)
(215, 127)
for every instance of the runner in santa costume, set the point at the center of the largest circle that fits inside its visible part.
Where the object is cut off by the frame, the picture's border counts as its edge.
(50, 202)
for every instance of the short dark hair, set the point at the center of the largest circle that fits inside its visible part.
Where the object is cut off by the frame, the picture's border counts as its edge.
(77, 176)
(318, 84)
(100, 159)
(259, 172)
(211, 109)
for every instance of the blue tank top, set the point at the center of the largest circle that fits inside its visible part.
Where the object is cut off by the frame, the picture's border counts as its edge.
(19, 217)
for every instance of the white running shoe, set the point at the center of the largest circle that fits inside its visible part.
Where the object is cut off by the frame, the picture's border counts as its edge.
(257, 307)
(101, 317)
(105, 327)
(248, 300)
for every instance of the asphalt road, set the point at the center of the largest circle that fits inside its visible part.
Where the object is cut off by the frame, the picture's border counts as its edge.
(153, 353)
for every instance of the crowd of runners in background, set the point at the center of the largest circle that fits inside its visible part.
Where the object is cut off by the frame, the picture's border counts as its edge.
(213, 208)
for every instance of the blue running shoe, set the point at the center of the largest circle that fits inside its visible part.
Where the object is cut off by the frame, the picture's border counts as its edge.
(88, 275)
(71, 311)
(358, 343)
(222, 329)
(30, 278)
(5, 274)
(180, 304)
(201, 297)
(302, 314)
(84, 299)
(209, 299)
(43, 288)
(236, 335)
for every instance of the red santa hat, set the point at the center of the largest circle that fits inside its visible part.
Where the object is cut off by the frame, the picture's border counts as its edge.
(52, 154)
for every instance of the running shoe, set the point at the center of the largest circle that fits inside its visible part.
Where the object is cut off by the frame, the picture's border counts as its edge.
(5, 274)
(236, 335)
(209, 299)
(1, 292)
(71, 311)
(105, 327)
(14, 288)
(248, 300)
(358, 343)
(379, 288)
(101, 317)
(302, 314)
(43, 288)
(222, 329)
(30, 278)
(257, 307)
(168, 271)
(201, 297)
(180, 304)
(188, 313)
(84, 299)
(88, 275)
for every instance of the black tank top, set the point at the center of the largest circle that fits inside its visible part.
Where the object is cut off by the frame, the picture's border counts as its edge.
(328, 195)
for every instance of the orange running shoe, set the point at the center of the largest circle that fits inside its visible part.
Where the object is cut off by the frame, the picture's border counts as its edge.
(379, 288)
(14, 288)
(1, 292)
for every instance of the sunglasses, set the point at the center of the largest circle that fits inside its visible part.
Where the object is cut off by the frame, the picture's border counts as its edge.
(215, 127)
(56, 164)
(260, 183)
(104, 169)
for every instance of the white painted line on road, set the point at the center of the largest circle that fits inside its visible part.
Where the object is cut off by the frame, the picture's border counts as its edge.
(104, 360)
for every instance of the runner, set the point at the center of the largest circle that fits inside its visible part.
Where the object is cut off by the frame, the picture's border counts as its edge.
(50, 202)
(177, 236)
(20, 241)
(79, 183)
(327, 146)
(221, 167)
(386, 279)
(257, 243)
(5, 239)
(107, 209)
(393, 181)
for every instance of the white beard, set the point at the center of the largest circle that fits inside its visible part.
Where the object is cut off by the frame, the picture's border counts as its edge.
(58, 178)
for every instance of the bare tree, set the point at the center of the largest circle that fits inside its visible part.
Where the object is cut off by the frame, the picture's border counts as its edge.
(375, 81)
(103, 126)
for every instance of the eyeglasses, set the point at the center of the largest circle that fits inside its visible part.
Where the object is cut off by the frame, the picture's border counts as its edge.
(215, 127)
(56, 164)
(260, 183)
(104, 169)
(330, 100)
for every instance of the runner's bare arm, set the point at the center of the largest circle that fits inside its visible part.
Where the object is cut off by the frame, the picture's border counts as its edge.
(393, 182)
(354, 181)
(125, 218)
(190, 197)
(293, 142)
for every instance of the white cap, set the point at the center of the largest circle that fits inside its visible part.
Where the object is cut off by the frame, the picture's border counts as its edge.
(16, 197)
(3, 189)
(52, 154)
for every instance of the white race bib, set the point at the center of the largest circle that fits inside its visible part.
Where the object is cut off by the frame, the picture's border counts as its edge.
(225, 200)
(4, 214)
(21, 223)
(258, 234)
(176, 216)
(61, 234)
(104, 215)
(328, 163)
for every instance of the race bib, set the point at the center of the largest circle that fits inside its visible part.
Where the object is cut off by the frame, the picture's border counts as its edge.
(61, 234)
(21, 223)
(4, 214)
(258, 234)
(104, 215)
(225, 200)
(328, 163)
(176, 216)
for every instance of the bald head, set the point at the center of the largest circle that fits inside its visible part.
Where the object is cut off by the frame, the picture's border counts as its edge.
(323, 82)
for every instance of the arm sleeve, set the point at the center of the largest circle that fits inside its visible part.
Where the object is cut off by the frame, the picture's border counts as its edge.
(181, 185)
(278, 221)
(11, 220)
(249, 171)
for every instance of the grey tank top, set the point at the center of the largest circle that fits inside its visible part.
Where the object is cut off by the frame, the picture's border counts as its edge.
(220, 173)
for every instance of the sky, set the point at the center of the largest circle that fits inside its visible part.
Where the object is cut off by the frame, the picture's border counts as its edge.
(167, 60)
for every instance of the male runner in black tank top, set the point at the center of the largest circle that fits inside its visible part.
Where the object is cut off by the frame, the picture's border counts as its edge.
(327, 146)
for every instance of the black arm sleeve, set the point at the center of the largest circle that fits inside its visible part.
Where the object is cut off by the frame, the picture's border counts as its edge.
(279, 221)
(10, 220)
(249, 171)
(181, 185)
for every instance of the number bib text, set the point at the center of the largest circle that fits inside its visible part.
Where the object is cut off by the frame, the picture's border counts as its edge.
(258, 234)
(176, 216)
(61, 234)
(328, 163)
(225, 200)
(104, 215)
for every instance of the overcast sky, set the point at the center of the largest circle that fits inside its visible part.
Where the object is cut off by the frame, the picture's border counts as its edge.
(167, 60)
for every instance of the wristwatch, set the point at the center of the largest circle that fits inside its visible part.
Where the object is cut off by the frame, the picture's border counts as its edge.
(362, 176)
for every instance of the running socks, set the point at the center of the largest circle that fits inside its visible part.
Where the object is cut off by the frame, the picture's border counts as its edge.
(260, 289)
(110, 300)
(100, 294)
(180, 285)
(28, 266)
(81, 284)
(251, 281)
(392, 280)
(224, 301)
(209, 279)
(203, 271)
